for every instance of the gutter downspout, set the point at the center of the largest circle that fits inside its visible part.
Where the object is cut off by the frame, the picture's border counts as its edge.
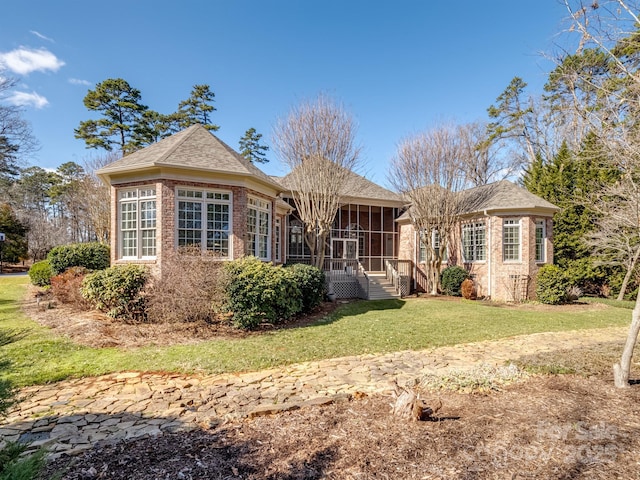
(488, 253)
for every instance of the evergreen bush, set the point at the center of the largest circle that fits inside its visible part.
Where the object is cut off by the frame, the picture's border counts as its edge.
(451, 279)
(311, 282)
(259, 292)
(117, 291)
(552, 284)
(40, 273)
(92, 256)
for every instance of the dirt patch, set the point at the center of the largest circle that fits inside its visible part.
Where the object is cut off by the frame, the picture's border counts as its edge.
(548, 427)
(95, 329)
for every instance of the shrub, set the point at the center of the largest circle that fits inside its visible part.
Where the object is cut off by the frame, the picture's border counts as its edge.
(93, 256)
(40, 273)
(468, 289)
(66, 287)
(260, 292)
(117, 291)
(311, 282)
(552, 284)
(191, 288)
(451, 279)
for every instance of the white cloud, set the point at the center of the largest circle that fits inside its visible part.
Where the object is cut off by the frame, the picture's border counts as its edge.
(39, 35)
(26, 98)
(77, 81)
(25, 60)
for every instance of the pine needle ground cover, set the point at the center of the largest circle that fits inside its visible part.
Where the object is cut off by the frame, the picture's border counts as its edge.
(41, 356)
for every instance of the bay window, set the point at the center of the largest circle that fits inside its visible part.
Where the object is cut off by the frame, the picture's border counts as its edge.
(511, 240)
(137, 223)
(258, 228)
(204, 219)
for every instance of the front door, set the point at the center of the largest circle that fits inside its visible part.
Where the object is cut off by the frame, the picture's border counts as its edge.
(344, 248)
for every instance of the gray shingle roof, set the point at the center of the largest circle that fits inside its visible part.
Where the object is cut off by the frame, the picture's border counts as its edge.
(357, 186)
(501, 196)
(505, 195)
(194, 148)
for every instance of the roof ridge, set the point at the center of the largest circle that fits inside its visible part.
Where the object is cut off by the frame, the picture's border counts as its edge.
(185, 135)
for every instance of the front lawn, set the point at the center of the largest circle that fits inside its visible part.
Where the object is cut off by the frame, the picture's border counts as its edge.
(37, 356)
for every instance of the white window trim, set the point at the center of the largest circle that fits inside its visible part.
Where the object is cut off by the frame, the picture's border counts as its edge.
(270, 213)
(278, 239)
(204, 200)
(137, 199)
(519, 225)
(474, 225)
(543, 223)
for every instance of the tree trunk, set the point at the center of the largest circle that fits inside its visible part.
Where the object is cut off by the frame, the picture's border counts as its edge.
(621, 370)
(627, 276)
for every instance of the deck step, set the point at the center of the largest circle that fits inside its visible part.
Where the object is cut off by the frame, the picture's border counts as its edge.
(380, 288)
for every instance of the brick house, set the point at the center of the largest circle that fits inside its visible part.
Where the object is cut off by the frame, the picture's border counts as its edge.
(502, 241)
(193, 189)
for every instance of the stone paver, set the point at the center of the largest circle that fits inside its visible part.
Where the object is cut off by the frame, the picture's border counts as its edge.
(71, 416)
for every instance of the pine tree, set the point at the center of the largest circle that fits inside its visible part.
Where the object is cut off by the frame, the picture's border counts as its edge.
(250, 147)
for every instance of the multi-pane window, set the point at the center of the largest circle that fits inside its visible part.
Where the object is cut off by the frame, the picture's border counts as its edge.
(278, 233)
(511, 240)
(204, 219)
(258, 218)
(474, 246)
(137, 222)
(540, 237)
(435, 242)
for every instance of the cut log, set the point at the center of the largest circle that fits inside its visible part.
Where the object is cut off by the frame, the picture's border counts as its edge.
(410, 406)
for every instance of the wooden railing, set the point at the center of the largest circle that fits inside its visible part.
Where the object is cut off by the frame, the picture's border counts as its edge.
(400, 274)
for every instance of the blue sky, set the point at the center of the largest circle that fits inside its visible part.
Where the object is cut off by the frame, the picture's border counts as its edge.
(399, 66)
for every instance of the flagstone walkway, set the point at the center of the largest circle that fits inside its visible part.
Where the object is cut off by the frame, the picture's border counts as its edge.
(71, 416)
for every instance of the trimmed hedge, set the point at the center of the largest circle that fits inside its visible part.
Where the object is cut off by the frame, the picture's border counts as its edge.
(311, 282)
(552, 284)
(117, 291)
(40, 273)
(92, 256)
(259, 292)
(451, 280)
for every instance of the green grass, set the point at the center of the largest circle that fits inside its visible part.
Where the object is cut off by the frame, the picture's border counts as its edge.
(628, 304)
(356, 328)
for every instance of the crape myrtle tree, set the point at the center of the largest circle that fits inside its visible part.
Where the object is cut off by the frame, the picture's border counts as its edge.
(317, 141)
(607, 99)
(427, 171)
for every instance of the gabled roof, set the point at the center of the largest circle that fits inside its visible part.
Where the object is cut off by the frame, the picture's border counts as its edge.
(502, 196)
(356, 186)
(194, 148)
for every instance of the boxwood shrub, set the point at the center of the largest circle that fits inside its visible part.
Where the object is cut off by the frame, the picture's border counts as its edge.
(259, 292)
(311, 282)
(117, 291)
(451, 280)
(40, 273)
(552, 284)
(92, 256)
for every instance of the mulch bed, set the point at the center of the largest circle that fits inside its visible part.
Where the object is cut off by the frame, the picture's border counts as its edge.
(95, 329)
(552, 427)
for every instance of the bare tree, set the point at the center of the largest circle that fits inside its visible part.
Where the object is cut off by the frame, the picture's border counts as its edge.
(481, 161)
(16, 138)
(616, 237)
(608, 100)
(426, 171)
(316, 140)
(97, 196)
